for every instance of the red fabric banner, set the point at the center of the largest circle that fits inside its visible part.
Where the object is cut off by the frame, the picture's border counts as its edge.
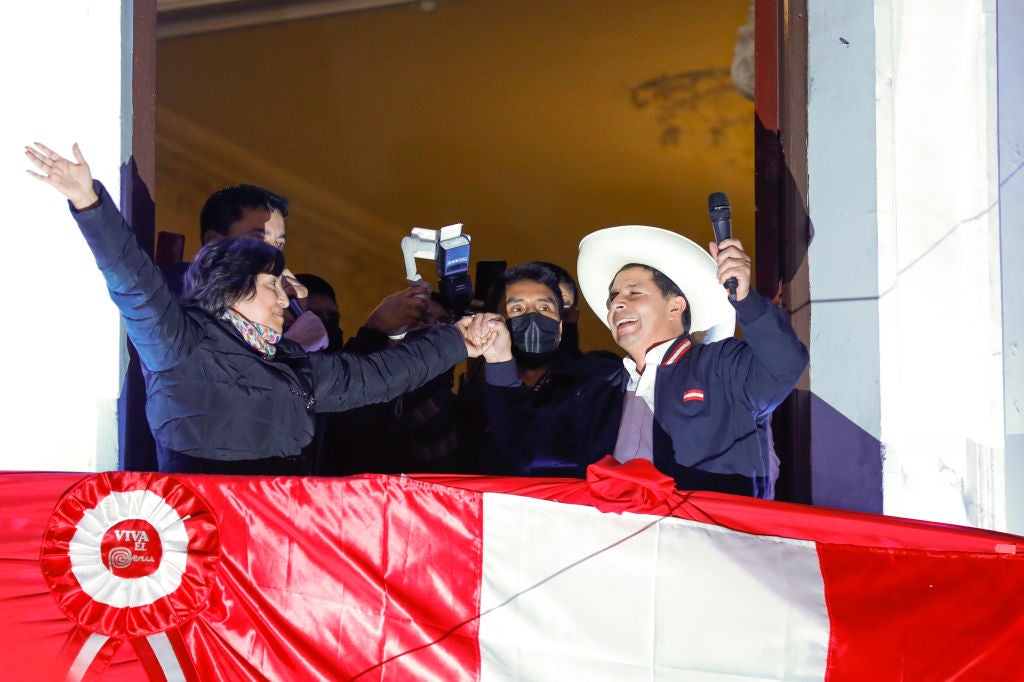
(379, 578)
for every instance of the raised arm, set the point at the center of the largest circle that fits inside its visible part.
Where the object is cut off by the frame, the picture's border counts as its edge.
(152, 316)
(348, 380)
(767, 364)
(72, 179)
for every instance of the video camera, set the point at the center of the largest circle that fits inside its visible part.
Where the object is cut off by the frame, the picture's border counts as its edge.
(450, 248)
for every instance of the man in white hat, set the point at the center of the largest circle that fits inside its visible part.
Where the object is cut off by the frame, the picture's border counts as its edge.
(698, 412)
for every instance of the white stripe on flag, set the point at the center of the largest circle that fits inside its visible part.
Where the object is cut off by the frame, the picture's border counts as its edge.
(595, 596)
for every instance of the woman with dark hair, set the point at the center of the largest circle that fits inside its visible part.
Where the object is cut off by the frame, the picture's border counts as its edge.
(225, 393)
(223, 273)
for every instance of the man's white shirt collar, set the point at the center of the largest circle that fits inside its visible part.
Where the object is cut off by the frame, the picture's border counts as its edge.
(653, 358)
(636, 426)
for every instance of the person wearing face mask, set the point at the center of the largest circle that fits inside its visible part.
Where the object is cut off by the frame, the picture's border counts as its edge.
(538, 366)
(323, 303)
(570, 344)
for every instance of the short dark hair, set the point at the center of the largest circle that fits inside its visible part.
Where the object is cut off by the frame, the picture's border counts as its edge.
(225, 271)
(563, 278)
(317, 286)
(533, 271)
(667, 287)
(225, 206)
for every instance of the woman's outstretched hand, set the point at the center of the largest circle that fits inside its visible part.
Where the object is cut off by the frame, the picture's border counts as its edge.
(73, 179)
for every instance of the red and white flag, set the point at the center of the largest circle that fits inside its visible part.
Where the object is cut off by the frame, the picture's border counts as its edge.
(127, 576)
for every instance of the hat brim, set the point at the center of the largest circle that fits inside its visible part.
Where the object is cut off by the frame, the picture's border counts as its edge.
(603, 253)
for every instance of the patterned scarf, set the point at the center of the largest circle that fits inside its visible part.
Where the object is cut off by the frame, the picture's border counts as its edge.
(259, 336)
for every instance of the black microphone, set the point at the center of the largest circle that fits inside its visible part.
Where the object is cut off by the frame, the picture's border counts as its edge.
(721, 220)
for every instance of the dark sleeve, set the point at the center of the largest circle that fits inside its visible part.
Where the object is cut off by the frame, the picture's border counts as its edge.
(366, 340)
(765, 366)
(518, 430)
(153, 319)
(348, 380)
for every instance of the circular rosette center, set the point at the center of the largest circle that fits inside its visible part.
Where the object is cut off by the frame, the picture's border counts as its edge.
(130, 554)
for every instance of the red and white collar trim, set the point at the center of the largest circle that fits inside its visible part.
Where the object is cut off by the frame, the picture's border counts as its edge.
(674, 356)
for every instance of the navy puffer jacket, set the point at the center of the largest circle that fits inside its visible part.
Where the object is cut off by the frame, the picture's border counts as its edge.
(211, 395)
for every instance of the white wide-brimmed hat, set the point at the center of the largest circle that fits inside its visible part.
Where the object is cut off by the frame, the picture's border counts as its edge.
(694, 271)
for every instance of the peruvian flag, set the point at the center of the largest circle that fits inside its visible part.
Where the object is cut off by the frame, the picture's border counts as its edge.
(128, 576)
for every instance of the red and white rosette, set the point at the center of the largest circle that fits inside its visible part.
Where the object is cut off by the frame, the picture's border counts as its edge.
(130, 556)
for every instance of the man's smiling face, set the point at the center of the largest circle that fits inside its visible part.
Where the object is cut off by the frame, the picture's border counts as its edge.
(639, 314)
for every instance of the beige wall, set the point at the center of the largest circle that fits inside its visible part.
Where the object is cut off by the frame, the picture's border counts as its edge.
(524, 119)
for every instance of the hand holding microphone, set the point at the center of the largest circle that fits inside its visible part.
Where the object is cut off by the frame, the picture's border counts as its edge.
(728, 252)
(721, 221)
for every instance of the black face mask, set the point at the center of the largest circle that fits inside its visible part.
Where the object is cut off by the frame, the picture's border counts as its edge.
(534, 334)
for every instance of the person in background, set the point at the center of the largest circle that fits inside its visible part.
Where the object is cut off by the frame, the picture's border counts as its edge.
(322, 302)
(417, 431)
(571, 316)
(570, 343)
(245, 210)
(545, 373)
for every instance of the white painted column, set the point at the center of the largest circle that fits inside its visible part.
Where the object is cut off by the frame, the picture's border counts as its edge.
(843, 257)
(1010, 26)
(67, 78)
(942, 422)
(906, 321)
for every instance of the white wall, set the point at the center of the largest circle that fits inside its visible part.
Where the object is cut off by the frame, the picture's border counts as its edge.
(906, 334)
(843, 258)
(61, 347)
(943, 422)
(1011, 218)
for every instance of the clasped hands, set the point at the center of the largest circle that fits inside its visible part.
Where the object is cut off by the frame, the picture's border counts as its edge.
(486, 334)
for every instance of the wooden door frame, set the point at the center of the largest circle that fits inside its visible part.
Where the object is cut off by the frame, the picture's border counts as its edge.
(782, 225)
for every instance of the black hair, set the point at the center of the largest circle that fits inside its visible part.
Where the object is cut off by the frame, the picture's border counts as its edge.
(317, 286)
(667, 287)
(563, 278)
(225, 206)
(225, 271)
(534, 271)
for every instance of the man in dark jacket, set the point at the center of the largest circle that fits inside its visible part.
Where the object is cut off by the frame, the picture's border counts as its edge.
(698, 412)
(531, 298)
